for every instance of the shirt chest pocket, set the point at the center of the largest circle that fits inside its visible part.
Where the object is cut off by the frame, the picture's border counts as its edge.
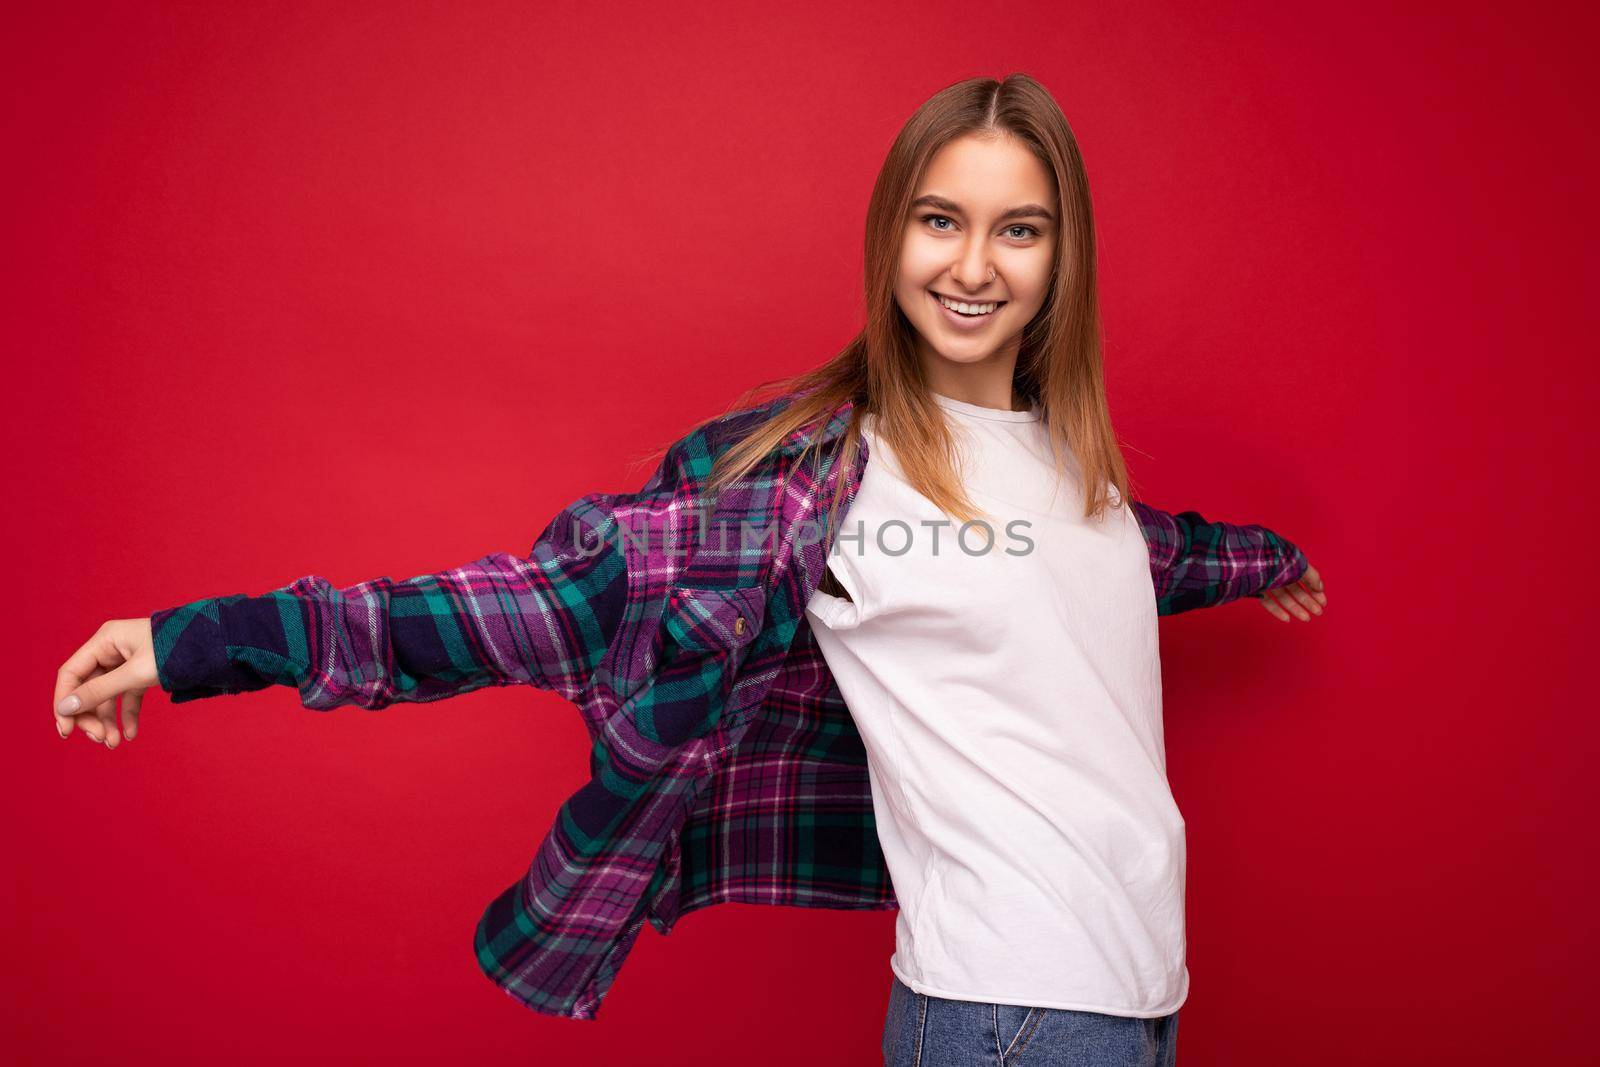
(705, 634)
(702, 621)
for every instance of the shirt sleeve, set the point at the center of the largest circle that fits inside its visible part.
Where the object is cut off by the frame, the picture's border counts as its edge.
(843, 613)
(1198, 564)
(543, 620)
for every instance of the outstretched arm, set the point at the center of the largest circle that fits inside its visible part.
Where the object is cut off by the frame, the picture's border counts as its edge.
(544, 620)
(1199, 564)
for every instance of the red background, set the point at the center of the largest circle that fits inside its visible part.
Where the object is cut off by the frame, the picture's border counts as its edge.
(375, 289)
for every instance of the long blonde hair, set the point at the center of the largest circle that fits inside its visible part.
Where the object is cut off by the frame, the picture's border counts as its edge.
(1059, 362)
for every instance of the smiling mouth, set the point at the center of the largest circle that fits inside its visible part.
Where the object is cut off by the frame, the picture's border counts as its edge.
(946, 302)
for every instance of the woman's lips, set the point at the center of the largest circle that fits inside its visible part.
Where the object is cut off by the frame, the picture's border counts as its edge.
(965, 323)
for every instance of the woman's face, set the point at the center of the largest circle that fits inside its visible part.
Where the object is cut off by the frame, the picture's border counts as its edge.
(984, 204)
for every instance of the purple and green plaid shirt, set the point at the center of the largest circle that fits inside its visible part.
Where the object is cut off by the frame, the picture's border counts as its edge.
(724, 763)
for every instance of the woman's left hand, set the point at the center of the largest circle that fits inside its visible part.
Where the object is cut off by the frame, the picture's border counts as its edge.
(1302, 598)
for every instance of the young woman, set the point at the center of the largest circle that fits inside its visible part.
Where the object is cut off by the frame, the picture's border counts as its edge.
(928, 682)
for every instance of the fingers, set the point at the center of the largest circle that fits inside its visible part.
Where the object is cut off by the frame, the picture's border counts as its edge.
(1308, 600)
(118, 661)
(1310, 590)
(86, 721)
(1281, 604)
(1290, 599)
(92, 657)
(99, 723)
(1270, 601)
(130, 713)
(106, 686)
(66, 682)
(106, 712)
(1312, 579)
(90, 725)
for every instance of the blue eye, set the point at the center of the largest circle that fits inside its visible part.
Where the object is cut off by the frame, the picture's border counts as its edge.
(1032, 231)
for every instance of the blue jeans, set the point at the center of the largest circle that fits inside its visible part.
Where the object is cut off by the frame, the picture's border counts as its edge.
(925, 1031)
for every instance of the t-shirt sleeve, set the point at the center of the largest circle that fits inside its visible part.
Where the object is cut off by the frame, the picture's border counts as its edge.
(836, 612)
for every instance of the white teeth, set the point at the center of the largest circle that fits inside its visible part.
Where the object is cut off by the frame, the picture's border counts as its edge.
(967, 309)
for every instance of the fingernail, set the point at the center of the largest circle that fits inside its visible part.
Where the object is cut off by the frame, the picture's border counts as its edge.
(128, 736)
(69, 705)
(95, 739)
(63, 731)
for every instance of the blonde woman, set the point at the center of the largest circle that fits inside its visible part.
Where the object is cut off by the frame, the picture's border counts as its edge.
(886, 638)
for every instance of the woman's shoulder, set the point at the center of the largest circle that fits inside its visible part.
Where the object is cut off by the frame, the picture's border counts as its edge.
(688, 461)
(717, 435)
(686, 464)
(725, 431)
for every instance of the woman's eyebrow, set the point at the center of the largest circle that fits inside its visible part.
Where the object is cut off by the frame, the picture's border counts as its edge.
(1024, 212)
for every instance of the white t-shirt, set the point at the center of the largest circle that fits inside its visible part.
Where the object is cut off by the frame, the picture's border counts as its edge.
(1010, 703)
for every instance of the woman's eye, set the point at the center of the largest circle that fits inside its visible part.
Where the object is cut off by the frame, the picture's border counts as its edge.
(1028, 231)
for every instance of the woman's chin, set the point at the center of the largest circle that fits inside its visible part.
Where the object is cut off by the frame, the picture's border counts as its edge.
(963, 350)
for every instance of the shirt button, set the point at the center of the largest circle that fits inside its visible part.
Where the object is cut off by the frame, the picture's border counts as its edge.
(738, 625)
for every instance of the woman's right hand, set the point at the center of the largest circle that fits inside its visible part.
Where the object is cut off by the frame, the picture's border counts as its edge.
(119, 660)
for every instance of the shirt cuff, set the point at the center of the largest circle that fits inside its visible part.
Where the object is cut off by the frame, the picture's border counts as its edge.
(191, 649)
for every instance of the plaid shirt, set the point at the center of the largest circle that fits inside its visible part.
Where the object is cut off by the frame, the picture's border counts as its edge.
(724, 763)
